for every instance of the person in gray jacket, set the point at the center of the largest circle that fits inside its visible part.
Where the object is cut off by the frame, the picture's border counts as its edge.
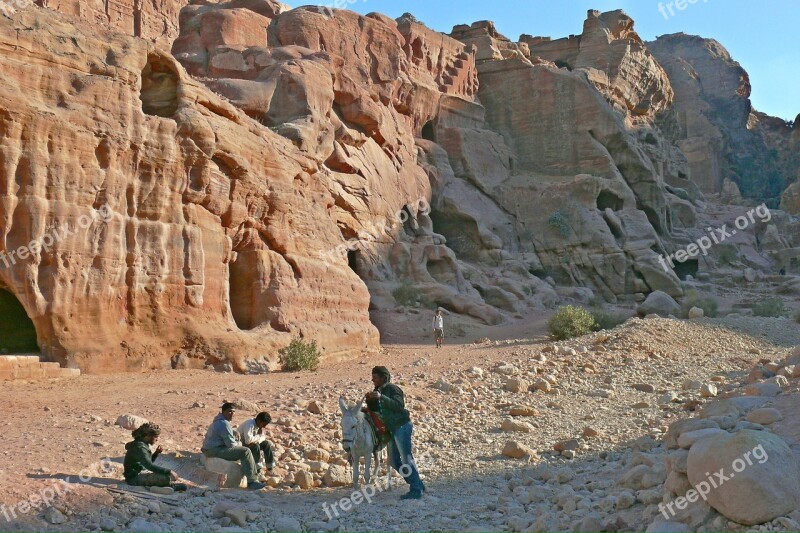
(220, 442)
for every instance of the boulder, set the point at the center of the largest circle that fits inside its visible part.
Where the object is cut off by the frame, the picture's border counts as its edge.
(516, 385)
(764, 416)
(763, 481)
(230, 473)
(130, 422)
(337, 476)
(659, 303)
(695, 312)
(517, 450)
(511, 425)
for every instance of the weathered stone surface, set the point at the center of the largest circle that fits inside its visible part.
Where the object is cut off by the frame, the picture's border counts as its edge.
(760, 490)
(715, 125)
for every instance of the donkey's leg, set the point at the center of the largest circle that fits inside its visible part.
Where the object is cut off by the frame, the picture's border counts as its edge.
(367, 466)
(376, 456)
(356, 465)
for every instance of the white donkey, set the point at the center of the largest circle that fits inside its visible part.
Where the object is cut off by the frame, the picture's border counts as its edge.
(358, 441)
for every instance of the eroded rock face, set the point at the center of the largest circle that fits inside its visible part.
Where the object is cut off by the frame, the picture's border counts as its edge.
(714, 124)
(585, 149)
(212, 248)
(156, 21)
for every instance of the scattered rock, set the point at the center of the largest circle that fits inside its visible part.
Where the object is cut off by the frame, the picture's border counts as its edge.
(516, 450)
(764, 416)
(54, 516)
(130, 422)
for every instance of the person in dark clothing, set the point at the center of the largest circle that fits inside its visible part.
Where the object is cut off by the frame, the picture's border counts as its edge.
(139, 458)
(389, 401)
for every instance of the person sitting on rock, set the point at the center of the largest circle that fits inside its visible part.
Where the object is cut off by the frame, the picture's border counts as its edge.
(220, 442)
(389, 401)
(253, 435)
(138, 458)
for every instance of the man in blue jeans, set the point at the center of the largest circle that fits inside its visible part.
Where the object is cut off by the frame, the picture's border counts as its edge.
(389, 401)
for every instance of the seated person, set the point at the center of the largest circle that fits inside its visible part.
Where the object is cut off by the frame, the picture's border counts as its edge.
(221, 442)
(138, 458)
(253, 435)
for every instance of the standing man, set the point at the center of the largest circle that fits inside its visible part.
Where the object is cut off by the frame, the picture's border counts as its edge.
(389, 401)
(438, 327)
(139, 458)
(220, 442)
(253, 432)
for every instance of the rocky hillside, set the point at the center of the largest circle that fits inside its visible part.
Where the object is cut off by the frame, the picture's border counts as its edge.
(281, 173)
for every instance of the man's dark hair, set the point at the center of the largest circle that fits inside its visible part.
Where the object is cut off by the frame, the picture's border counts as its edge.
(263, 417)
(146, 430)
(383, 372)
(227, 406)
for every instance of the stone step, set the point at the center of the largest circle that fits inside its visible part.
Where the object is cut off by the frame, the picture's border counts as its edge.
(14, 367)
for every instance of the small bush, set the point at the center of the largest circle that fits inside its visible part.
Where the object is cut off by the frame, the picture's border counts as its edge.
(299, 355)
(406, 294)
(693, 299)
(770, 307)
(570, 321)
(606, 319)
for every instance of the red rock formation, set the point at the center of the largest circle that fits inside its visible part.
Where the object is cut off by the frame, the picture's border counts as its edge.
(212, 251)
(156, 20)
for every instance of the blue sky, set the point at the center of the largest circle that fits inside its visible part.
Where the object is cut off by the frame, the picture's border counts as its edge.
(763, 36)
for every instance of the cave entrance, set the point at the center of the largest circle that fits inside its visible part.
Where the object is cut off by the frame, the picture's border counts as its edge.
(428, 132)
(352, 260)
(687, 268)
(159, 92)
(609, 200)
(241, 284)
(17, 334)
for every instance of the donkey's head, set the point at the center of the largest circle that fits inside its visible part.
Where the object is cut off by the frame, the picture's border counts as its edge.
(351, 418)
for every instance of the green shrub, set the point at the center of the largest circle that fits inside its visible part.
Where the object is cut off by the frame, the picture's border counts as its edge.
(770, 307)
(607, 320)
(406, 294)
(299, 355)
(694, 299)
(571, 321)
(560, 222)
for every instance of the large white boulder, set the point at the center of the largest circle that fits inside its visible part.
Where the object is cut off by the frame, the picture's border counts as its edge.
(231, 476)
(763, 481)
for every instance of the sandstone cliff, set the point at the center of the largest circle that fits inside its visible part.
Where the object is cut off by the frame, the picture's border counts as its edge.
(281, 172)
(715, 125)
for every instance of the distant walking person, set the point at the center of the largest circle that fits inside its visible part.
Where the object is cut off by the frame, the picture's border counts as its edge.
(438, 327)
(253, 433)
(220, 442)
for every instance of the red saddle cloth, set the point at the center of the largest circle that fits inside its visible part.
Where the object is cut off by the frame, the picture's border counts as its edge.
(379, 430)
